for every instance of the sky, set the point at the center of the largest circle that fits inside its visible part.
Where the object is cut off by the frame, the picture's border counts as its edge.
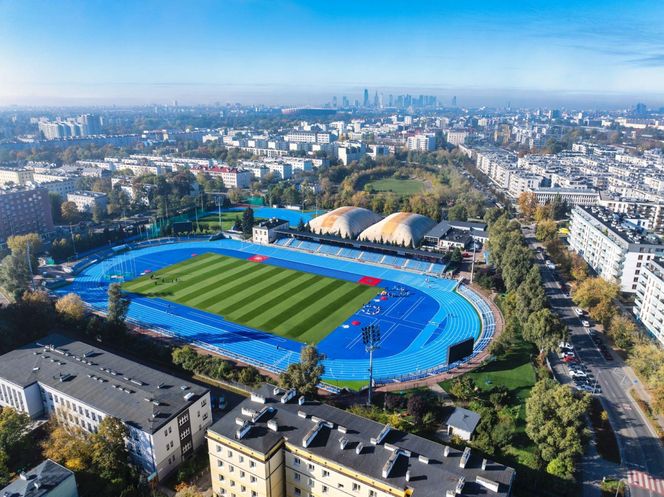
(583, 52)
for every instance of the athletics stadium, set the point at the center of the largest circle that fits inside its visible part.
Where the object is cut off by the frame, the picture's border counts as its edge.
(259, 303)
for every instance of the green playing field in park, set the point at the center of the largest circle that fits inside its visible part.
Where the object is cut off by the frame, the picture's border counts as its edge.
(293, 304)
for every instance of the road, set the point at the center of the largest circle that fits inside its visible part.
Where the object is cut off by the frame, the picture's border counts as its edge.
(639, 446)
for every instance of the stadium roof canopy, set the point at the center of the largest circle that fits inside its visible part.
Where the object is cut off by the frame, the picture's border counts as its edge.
(402, 228)
(346, 222)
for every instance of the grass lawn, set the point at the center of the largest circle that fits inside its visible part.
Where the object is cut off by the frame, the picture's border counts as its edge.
(293, 304)
(227, 220)
(398, 186)
(355, 385)
(515, 372)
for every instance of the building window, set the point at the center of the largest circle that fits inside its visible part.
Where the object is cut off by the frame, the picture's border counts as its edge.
(296, 476)
(326, 472)
(324, 489)
(242, 474)
(298, 491)
(356, 487)
(252, 464)
(221, 477)
(296, 461)
(230, 453)
(241, 458)
(243, 488)
(310, 466)
(220, 464)
(252, 479)
(372, 493)
(254, 494)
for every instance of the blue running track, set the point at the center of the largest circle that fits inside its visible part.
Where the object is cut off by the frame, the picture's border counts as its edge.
(417, 324)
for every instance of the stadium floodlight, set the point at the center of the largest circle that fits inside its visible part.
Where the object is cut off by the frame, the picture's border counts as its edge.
(371, 340)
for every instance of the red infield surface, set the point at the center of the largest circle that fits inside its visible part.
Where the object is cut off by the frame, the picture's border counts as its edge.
(257, 258)
(368, 280)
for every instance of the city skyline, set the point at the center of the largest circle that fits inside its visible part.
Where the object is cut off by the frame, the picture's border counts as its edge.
(294, 53)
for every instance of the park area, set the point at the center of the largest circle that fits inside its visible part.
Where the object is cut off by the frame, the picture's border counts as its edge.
(398, 186)
(293, 304)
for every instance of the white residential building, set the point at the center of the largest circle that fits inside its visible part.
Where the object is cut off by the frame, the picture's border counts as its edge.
(615, 249)
(87, 201)
(16, 176)
(649, 302)
(421, 143)
(81, 384)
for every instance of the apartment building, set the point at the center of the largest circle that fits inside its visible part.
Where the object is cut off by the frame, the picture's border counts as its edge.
(456, 137)
(24, 210)
(421, 143)
(81, 384)
(649, 301)
(651, 210)
(60, 187)
(87, 201)
(308, 137)
(16, 176)
(276, 444)
(231, 176)
(613, 245)
(571, 196)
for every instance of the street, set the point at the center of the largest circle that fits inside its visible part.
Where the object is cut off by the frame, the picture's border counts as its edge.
(639, 446)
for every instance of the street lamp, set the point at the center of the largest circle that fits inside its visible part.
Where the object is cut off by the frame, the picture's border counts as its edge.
(371, 340)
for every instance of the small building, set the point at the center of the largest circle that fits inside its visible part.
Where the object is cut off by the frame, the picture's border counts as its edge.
(448, 235)
(47, 479)
(462, 423)
(87, 201)
(265, 231)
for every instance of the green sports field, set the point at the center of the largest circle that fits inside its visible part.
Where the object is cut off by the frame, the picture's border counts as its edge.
(293, 304)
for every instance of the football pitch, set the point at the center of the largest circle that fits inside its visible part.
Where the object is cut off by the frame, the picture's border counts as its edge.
(300, 306)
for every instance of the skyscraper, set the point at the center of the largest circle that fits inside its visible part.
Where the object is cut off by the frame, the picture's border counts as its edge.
(366, 98)
(375, 102)
(334, 101)
(454, 101)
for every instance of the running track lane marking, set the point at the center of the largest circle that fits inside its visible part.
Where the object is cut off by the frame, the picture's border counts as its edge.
(644, 480)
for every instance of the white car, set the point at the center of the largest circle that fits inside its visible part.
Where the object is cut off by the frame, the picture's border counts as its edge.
(577, 373)
(565, 345)
(586, 324)
(578, 311)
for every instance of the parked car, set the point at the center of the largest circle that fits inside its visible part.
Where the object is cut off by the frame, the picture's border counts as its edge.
(579, 312)
(569, 358)
(585, 323)
(565, 345)
(577, 373)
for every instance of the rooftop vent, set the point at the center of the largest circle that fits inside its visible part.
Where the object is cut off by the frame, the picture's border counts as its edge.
(311, 434)
(256, 417)
(487, 483)
(188, 396)
(288, 395)
(241, 432)
(459, 485)
(257, 398)
(464, 457)
(446, 451)
(383, 433)
(389, 464)
(342, 429)
(302, 414)
(301, 400)
(423, 459)
(343, 441)
(273, 425)
(359, 448)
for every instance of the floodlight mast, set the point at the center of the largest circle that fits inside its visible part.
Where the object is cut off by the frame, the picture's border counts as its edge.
(371, 340)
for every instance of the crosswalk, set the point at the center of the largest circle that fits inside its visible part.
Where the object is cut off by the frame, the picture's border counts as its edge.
(644, 480)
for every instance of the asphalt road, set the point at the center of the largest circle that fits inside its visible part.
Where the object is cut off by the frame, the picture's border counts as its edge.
(639, 447)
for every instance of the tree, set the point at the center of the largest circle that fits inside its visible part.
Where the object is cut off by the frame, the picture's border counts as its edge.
(456, 256)
(109, 452)
(13, 431)
(457, 212)
(417, 407)
(597, 295)
(463, 388)
(530, 296)
(69, 213)
(70, 447)
(579, 270)
(516, 265)
(98, 213)
(118, 304)
(70, 307)
(14, 275)
(20, 245)
(623, 332)
(544, 329)
(305, 375)
(554, 421)
(527, 204)
(546, 230)
(247, 221)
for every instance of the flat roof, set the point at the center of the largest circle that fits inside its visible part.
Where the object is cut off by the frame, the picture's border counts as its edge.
(431, 471)
(140, 396)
